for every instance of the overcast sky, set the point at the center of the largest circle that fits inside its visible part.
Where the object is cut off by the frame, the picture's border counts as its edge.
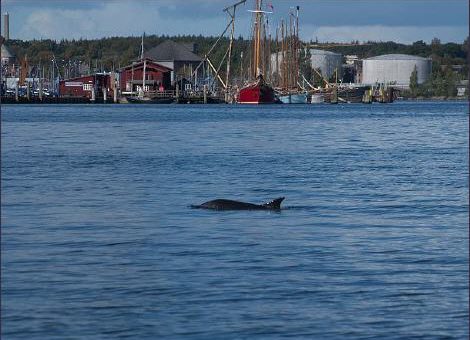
(327, 20)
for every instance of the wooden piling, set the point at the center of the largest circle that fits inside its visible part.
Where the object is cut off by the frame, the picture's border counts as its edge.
(177, 91)
(334, 96)
(40, 89)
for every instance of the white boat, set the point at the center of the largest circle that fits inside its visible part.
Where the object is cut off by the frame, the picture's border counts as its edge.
(317, 98)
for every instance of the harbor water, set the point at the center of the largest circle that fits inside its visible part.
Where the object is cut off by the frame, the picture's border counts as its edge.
(99, 241)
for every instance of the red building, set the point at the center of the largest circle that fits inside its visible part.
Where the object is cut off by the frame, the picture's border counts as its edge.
(83, 86)
(157, 77)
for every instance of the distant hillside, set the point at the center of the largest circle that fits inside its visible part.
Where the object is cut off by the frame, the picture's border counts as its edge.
(109, 53)
(119, 51)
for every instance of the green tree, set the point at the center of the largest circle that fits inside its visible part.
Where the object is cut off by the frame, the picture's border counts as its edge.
(306, 64)
(436, 46)
(414, 82)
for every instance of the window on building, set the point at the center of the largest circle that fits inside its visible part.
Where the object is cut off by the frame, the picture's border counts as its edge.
(87, 87)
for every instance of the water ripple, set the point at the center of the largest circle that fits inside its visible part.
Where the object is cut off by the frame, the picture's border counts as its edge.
(98, 241)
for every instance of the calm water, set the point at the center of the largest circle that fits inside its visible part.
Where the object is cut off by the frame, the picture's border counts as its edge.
(98, 241)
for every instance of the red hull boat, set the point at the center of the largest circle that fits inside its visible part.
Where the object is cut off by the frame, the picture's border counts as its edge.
(257, 93)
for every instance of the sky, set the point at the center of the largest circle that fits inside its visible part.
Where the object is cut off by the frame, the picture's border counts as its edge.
(402, 21)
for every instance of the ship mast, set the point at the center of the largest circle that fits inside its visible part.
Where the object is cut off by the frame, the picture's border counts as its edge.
(145, 64)
(297, 49)
(257, 36)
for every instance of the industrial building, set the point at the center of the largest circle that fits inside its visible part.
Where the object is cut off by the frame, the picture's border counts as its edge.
(9, 62)
(395, 69)
(8, 58)
(328, 62)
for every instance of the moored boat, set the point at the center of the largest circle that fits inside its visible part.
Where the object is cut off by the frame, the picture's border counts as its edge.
(293, 98)
(336, 95)
(149, 100)
(317, 98)
(352, 94)
(257, 93)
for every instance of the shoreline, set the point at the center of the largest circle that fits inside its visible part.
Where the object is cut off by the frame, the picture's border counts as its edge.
(434, 99)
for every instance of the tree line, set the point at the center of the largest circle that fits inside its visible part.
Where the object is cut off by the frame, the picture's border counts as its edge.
(111, 53)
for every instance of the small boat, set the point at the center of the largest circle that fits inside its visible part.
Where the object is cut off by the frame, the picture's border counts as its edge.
(335, 95)
(149, 100)
(317, 98)
(352, 94)
(293, 98)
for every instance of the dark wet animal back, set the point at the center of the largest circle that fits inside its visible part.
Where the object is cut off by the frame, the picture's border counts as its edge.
(224, 204)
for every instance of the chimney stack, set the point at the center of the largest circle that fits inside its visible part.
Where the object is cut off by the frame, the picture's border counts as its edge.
(6, 26)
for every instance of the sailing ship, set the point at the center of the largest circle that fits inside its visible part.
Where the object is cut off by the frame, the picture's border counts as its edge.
(289, 90)
(258, 91)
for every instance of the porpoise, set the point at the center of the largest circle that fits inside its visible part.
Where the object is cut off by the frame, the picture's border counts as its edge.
(224, 204)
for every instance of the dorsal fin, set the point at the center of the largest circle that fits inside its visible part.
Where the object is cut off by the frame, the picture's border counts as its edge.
(274, 204)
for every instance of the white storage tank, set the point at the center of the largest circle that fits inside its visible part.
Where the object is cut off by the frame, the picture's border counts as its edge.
(327, 62)
(395, 68)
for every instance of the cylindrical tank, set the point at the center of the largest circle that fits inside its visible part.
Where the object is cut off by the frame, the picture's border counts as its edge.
(327, 62)
(395, 69)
